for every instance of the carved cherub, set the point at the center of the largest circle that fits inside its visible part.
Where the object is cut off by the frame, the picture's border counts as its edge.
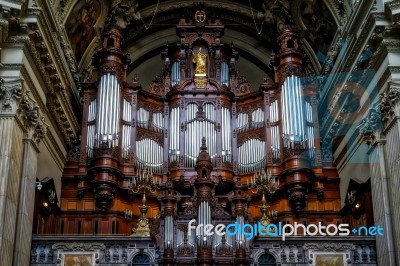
(267, 15)
(124, 11)
(273, 12)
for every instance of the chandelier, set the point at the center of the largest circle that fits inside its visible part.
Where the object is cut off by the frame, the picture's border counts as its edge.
(143, 182)
(263, 182)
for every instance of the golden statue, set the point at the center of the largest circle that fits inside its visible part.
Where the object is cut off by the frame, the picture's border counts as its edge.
(200, 60)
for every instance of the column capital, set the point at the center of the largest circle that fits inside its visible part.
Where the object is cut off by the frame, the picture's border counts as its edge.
(10, 95)
(370, 126)
(388, 100)
(15, 100)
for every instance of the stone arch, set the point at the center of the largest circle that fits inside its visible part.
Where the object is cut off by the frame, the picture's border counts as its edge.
(265, 259)
(141, 259)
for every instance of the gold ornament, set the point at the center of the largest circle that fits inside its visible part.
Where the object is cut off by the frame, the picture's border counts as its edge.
(200, 60)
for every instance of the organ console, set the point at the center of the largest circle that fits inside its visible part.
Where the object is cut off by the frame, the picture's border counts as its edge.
(204, 133)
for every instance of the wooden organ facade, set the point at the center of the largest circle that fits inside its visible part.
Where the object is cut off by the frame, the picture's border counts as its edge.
(203, 133)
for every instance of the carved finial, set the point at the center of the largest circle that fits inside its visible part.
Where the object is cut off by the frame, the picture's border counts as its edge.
(203, 144)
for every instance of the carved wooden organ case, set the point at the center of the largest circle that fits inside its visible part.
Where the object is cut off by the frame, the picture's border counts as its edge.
(204, 132)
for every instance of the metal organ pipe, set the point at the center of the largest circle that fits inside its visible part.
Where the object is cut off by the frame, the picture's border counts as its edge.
(91, 129)
(310, 129)
(293, 108)
(168, 231)
(108, 113)
(226, 134)
(196, 130)
(126, 137)
(224, 73)
(174, 134)
(176, 73)
(274, 130)
(257, 118)
(243, 121)
(204, 217)
(251, 155)
(150, 153)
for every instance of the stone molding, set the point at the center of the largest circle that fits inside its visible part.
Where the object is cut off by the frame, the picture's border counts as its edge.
(77, 246)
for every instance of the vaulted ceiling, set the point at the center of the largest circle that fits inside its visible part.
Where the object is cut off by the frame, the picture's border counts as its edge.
(251, 25)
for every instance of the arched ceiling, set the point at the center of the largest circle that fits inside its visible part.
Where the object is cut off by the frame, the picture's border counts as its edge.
(251, 25)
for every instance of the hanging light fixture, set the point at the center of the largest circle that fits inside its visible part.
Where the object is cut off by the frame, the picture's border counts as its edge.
(263, 182)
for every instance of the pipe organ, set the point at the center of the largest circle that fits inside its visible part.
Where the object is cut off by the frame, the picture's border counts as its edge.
(203, 132)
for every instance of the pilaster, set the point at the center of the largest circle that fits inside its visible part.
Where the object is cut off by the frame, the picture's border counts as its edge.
(22, 127)
(369, 129)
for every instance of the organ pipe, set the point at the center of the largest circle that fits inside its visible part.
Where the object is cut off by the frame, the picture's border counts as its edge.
(143, 117)
(310, 129)
(176, 73)
(242, 122)
(293, 109)
(251, 155)
(257, 118)
(126, 129)
(108, 111)
(226, 135)
(150, 154)
(225, 73)
(196, 130)
(240, 238)
(91, 129)
(204, 217)
(168, 231)
(275, 135)
(174, 134)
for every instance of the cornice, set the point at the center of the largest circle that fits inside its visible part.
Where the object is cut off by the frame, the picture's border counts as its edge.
(56, 126)
(392, 10)
(39, 39)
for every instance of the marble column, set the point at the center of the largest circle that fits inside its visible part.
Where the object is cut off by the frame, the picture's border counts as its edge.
(26, 203)
(381, 198)
(21, 127)
(10, 166)
(390, 111)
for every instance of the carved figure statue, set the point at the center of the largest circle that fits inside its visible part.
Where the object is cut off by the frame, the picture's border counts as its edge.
(200, 60)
